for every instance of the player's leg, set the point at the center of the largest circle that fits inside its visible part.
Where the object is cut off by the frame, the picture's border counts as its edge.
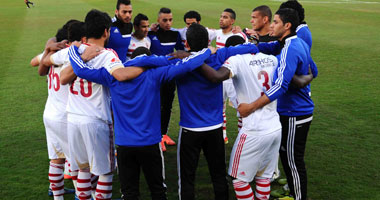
(188, 150)
(94, 183)
(152, 163)
(167, 97)
(129, 171)
(293, 144)
(57, 158)
(270, 144)
(98, 137)
(243, 190)
(214, 151)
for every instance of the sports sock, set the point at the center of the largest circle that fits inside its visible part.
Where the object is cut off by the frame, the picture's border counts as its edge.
(243, 190)
(84, 185)
(262, 188)
(94, 182)
(74, 177)
(56, 180)
(104, 187)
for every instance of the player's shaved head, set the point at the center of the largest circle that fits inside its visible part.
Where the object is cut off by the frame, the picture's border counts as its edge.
(96, 23)
(197, 37)
(140, 51)
(264, 11)
(234, 40)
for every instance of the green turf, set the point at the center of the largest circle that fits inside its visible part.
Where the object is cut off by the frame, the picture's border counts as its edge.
(343, 151)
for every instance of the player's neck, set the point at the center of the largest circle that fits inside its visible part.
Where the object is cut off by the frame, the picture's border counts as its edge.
(227, 30)
(138, 36)
(264, 31)
(99, 42)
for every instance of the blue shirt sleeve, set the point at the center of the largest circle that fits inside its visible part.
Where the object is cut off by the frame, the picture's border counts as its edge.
(188, 64)
(285, 72)
(305, 34)
(313, 67)
(272, 48)
(151, 61)
(225, 53)
(82, 70)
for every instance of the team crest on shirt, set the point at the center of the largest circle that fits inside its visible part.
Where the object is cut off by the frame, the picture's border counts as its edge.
(242, 173)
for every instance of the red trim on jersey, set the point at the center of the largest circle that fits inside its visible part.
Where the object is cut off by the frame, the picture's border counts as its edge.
(220, 44)
(86, 44)
(131, 50)
(109, 49)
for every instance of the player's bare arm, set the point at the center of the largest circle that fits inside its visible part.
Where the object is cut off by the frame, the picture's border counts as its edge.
(90, 52)
(246, 109)
(301, 81)
(35, 61)
(51, 46)
(67, 75)
(127, 73)
(214, 76)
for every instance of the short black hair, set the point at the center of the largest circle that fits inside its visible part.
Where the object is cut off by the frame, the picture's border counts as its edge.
(192, 14)
(96, 22)
(140, 51)
(232, 12)
(264, 11)
(296, 6)
(288, 15)
(164, 10)
(197, 37)
(125, 2)
(76, 31)
(234, 40)
(62, 33)
(139, 17)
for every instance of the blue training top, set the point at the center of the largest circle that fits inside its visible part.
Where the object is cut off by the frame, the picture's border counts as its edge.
(304, 33)
(164, 42)
(136, 103)
(294, 59)
(201, 101)
(120, 38)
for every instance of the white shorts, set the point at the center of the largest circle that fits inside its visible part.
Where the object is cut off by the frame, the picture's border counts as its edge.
(56, 138)
(254, 155)
(229, 92)
(91, 144)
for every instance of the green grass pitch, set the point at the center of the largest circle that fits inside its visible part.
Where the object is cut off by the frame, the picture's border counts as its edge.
(343, 149)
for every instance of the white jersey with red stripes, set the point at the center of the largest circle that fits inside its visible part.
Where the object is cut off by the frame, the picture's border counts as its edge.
(252, 75)
(56, 103)
(135, 43)
(221, 37)
(91, 99)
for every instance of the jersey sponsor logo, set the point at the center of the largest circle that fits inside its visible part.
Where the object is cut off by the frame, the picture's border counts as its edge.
(242, 173)
(265, 62)
(114, 60)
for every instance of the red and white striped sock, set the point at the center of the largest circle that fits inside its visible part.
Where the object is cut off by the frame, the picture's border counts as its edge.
(104, 187)
(224, 121)
(84, 185)
(56, 180)
(74, 177)
(243, 190)
(94, 182)
(262, 188)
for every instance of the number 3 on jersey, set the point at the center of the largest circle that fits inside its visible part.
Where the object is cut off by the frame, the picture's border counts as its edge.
(266, 80)
(83, 91)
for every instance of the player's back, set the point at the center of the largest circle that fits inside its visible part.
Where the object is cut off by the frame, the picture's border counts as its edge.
(56, 103)
(252, 76)
(91, 99)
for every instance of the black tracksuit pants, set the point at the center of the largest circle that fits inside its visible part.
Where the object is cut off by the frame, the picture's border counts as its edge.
(292, 151)
(190, 145)
(167, 94)
(148, 158)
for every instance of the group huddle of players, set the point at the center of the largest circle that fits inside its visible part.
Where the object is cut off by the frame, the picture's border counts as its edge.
(110, 87)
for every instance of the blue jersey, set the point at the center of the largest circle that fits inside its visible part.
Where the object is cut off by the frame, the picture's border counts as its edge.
(304, 33)
(164, 42)
(201, 101)
(136, 103)
(120, 38)
(294, 59)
